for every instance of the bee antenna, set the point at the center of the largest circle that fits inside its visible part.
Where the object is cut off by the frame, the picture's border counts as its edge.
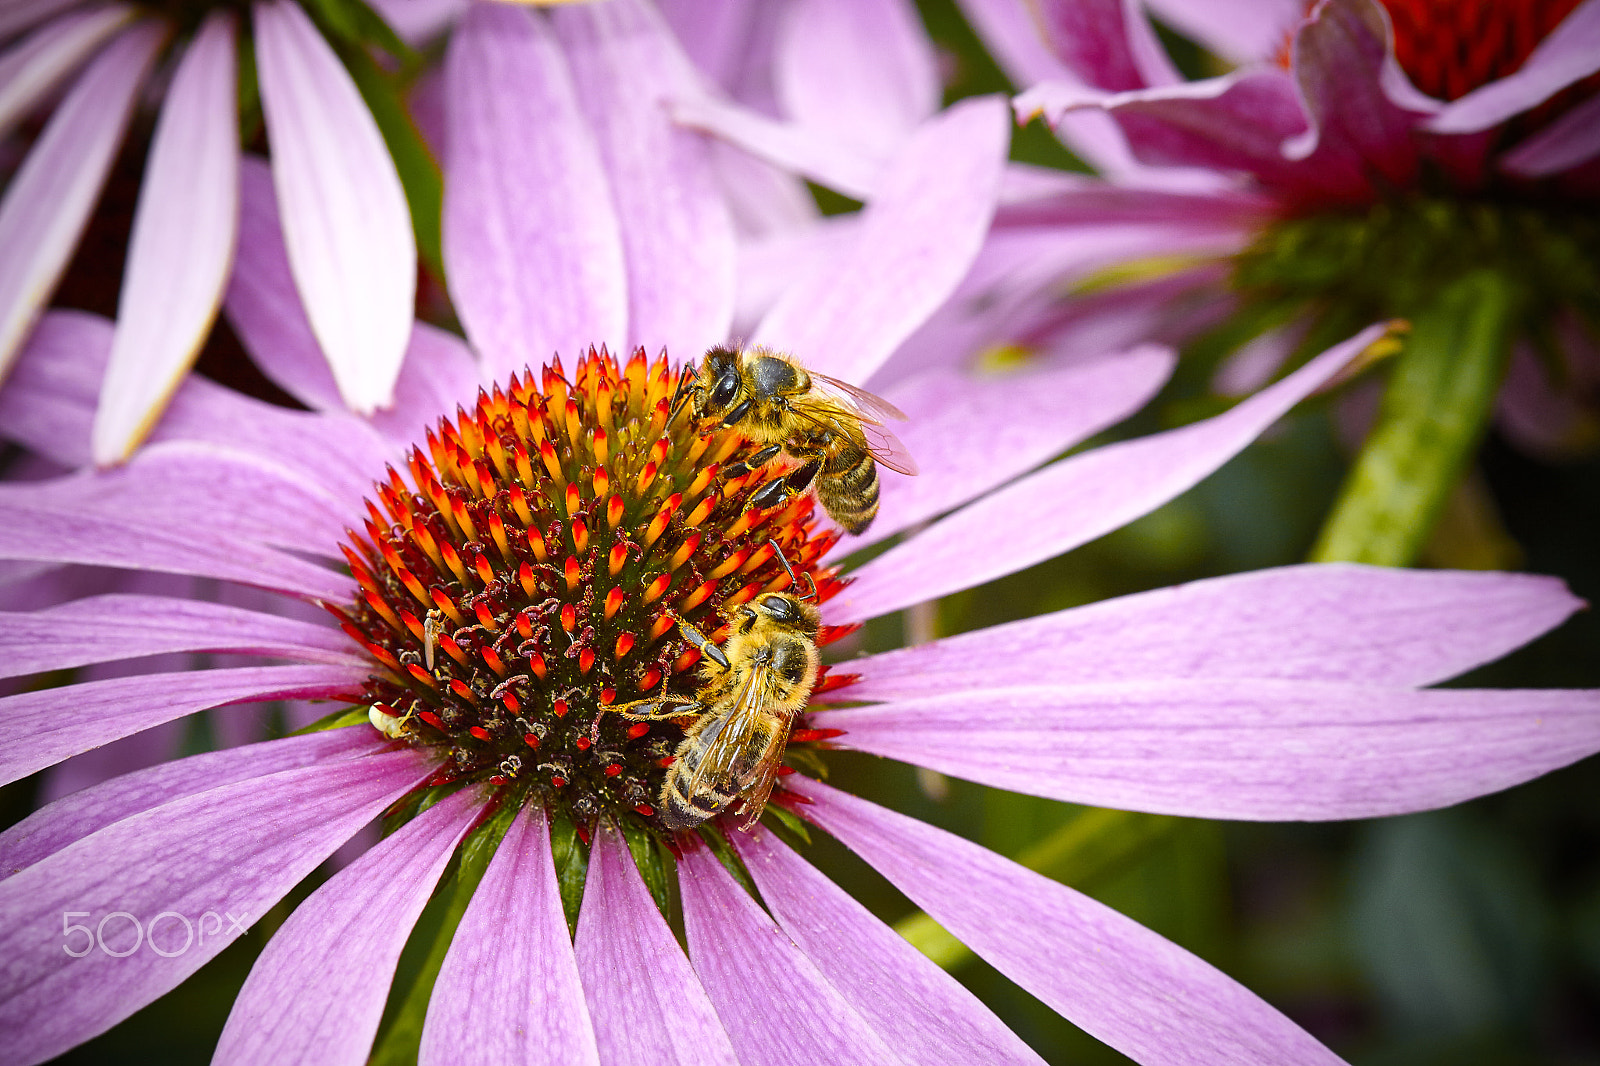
(794, 582)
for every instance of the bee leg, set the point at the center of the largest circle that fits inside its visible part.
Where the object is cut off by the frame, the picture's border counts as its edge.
(780, 490)
(761, 458)
(703, 643)
(736, 415)
(680, 396)
(678, 702)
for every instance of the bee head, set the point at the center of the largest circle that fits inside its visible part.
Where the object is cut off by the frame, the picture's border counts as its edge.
(719, 381)
(788, 611)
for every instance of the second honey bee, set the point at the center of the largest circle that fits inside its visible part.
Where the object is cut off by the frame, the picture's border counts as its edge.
(833, 429)
(752, 688)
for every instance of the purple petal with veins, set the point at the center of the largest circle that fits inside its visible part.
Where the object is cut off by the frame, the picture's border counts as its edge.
(48, 200)
(1569, 54)
(229, 853)
(32, 68)
(181, 246)
(366, 911)
(345, 220)
(509, 986)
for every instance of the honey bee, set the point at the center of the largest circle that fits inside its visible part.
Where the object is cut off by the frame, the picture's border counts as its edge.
(833, 429)
(752, 688)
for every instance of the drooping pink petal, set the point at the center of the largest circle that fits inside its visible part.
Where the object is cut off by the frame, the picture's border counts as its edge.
(1107, 43)
(1569, 54)
(509, 986)
(61, 722)
(864, 70)
(810, 152)
(916, 240)
(345, 220)
(1124, 984)
(775, 1004)
(48, 401)
(73, 817)
(970, 434)
(1571, 139)
(1237, 748)
(677, 236)
(531, 240)
(1073, 501)
(344, 941)
(919, 1010)
(1241, 31)
(419, 21)
(648, 1006)
(218, 860)
(31, 69)
(1332, 622)
(45, 533)
(102, 628)
(48, 201)
(265, 310)
(1358, 129)
(181, 245)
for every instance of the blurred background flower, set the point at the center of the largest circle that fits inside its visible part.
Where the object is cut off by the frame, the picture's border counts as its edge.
(345, 217)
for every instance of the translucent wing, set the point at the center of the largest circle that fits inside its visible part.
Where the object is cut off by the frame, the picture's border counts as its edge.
(731, 735)
(885, 447)
(771, 761)
(875, 407)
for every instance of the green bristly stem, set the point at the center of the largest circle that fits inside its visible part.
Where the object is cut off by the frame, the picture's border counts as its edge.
(1089, 848)
(1441, 392)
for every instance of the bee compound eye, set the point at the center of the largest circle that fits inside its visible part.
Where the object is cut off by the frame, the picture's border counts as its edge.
(727, 386)
(780, 608)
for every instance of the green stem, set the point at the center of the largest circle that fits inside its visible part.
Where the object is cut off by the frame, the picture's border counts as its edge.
(1440, 395)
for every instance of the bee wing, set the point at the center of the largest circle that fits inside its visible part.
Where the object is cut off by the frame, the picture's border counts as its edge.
(875, 408)
(873, 411)
(719, 766)
(755, 799)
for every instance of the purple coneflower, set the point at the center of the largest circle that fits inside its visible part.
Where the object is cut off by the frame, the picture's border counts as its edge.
(1363, 160)
(345, 217)
(523, 567)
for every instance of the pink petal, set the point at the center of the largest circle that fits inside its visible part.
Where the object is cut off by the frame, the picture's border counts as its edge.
(919, 1010)
(18, 15)
(218, 858)
(1011, 31)
(47, 403)
(811, 152)
(531, 241)
(48, 201)
(419, 21)
(345, 220)
(1130, 988)
(677, 236)
(1330, 622)
(31, 69)
(1107, 43)
(73, 817)
(344, 940)
(1240, 31)
(1359, 133)
(864, 70)
(181, 246)
(1569, 54)
(102, 628)
(647, 1004)
(509, 987)
(917, 239)
(970, 434)
(1571, 139)
(63, 534)
(439, 374)
(1237, 748)
(61, 722)
(1076, 500)
(775, 1004)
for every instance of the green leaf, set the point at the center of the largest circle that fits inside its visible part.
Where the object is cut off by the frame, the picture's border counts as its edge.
(651, 862)
(354, 23)
(1440, 394)
(401, 1029)
(344, 716)
(572, 866)
(420, 175)
(1087, 849)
